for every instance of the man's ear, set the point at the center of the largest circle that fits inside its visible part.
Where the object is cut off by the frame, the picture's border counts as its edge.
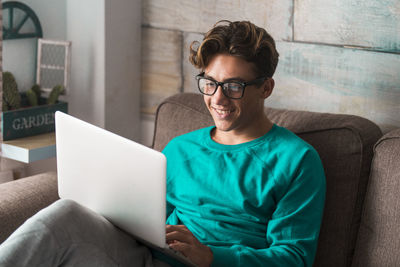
(268, 87)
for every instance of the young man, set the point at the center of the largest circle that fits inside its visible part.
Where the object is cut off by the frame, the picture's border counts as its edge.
(244, 192)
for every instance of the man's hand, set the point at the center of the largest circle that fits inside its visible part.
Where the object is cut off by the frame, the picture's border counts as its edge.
(181, 239)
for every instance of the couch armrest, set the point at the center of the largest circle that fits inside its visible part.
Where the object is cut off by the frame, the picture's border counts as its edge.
(20, 199)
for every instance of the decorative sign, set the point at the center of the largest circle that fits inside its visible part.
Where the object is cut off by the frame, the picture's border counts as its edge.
(30, 121)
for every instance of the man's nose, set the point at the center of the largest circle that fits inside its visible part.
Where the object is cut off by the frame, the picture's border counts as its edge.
(219, 97)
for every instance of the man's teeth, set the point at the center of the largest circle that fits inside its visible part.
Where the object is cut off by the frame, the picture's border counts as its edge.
(222, 112)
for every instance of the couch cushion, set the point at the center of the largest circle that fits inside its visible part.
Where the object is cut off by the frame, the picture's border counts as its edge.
(177, 115)
(344, 143)
(22, 198)
(378, 241)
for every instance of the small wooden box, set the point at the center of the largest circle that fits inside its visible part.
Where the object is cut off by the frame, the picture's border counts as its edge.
(30, 121)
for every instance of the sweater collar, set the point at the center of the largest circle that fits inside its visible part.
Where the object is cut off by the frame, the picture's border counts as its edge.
(221, 147)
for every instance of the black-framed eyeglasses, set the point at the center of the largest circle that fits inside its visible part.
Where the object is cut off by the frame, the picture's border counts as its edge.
(231, 89)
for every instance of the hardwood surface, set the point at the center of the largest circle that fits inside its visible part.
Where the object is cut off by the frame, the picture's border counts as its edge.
(34, 142)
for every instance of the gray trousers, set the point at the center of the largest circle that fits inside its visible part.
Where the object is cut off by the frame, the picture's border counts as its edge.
(68, 234)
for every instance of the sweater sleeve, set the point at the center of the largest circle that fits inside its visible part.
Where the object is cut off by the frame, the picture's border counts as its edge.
(170, 153)
(292, 232)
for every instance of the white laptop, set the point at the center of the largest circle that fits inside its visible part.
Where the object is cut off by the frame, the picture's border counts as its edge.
(122, 180)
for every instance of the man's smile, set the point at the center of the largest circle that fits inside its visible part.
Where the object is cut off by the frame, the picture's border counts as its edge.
(222, 113)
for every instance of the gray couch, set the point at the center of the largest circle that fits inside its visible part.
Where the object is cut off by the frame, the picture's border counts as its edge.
(360, 220)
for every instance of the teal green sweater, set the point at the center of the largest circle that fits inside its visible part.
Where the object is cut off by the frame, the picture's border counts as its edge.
(258, 203)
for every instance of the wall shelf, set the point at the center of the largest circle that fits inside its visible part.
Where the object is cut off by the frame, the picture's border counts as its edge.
(30, 149)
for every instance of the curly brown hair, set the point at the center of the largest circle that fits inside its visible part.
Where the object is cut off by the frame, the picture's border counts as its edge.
(239, 38)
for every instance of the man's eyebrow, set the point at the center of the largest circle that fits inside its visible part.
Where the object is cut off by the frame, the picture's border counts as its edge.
(237, 79)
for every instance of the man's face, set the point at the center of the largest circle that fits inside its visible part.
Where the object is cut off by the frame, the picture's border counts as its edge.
(238, 116)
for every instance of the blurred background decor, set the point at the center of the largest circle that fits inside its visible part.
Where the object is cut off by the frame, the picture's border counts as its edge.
(25, 112)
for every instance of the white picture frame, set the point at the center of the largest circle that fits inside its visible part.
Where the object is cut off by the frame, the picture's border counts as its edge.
(46, 64)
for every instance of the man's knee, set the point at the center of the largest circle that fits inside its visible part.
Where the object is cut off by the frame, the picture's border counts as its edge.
(65, 214)
(65, 206)
(64, 220)
(67, 222)
(59, 212)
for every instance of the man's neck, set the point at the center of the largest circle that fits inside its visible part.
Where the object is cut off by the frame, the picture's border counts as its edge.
(235, 137)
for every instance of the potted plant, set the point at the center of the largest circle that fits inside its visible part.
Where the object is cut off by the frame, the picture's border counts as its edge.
(28, 113)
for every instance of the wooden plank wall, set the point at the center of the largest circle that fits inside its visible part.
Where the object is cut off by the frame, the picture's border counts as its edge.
(1, 62)
(335, 56)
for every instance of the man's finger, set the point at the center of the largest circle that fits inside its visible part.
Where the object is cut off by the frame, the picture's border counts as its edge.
(181, 247)
(180, 228)
(179, 236)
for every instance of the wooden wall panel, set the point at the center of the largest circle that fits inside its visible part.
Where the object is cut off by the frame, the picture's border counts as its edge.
(189, 71)
(373, 23)
(331, 52)
(1, 63)
(201, 15)
(161, 66)
(338, 80)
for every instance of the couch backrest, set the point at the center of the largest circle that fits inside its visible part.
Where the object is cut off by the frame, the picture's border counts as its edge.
(344, 143)
(378, 242)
